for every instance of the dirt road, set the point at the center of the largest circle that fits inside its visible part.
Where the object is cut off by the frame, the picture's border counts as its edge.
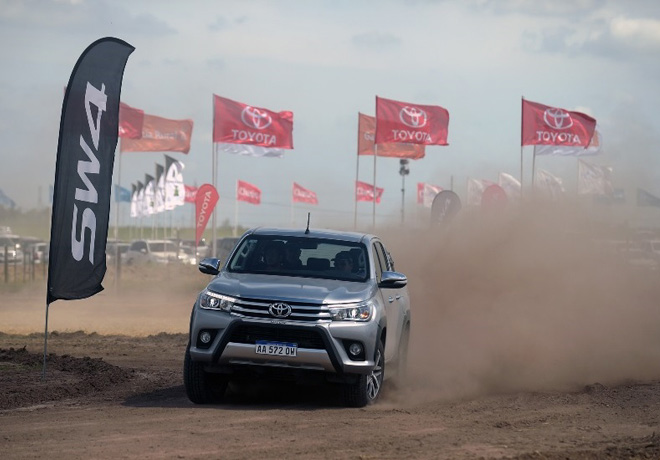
(518, 351)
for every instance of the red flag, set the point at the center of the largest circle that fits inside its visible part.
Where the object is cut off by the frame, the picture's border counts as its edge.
(160, 135)
(238, 123)
(191, 194)
(367, 133)
(493, 197)
(248, 192)
(544, 125)
(302, 195)
(130, 121)
(426, 193)
(365, 192)
(207, 197)
(410, 123)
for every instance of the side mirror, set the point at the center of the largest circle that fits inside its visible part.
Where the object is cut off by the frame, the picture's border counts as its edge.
(393, 280)
(210, 266)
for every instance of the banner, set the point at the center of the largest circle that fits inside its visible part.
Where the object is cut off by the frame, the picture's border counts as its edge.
(134, 195)
(159, 189)
(174, 189)
(644, 198)
(248, 192)
(130, 121)
(446, 205)
(475, 189)
(191, 193)
(410, 123)
(160, 135)
(511, 186)
(139, 199)
(365, 192)
(493, 198)
(426, 194)
(594, 179)
(89, 129)
(302, 195)
(545, 125)
(367, 134)
(206, 198)
(122, 194)
(593, 148)
(149, 201)
(6, 201)
(550, 185)
(249, 150)
(238, 123)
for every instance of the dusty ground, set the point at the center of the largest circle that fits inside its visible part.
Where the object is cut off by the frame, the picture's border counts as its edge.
(519, 350)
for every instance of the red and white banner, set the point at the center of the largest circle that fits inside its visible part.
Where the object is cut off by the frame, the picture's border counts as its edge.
(248, 192)
(207, 197)
(545, 125)
(303, 195)
(410, 123)
(367, 134)
(130, 121)
(191, 193)
(592, 149)
(365, 192)
(160, 135)
(475, 189)
(510, 185)
(238, 123)
(426, 193)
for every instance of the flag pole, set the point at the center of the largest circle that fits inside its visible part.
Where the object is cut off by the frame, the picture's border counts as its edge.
(373, 214)
(117, 205)
(357, 175)
(521, 147)
(236, 212)
(43, 375)
(291, 219)
(214, 174)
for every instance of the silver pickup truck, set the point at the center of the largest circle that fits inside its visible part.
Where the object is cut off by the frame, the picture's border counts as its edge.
(298, 303)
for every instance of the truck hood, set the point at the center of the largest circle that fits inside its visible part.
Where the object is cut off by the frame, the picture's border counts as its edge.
(293, 289)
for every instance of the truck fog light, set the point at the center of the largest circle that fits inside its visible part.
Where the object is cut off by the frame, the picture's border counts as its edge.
(355, 349)
(205, 336)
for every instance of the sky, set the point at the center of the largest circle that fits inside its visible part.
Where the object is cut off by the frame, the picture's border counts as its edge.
(326, 61)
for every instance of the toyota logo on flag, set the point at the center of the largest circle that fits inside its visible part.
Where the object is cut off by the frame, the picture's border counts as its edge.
(413, 117)
(255, 118)
(279, 310)
(557, 118)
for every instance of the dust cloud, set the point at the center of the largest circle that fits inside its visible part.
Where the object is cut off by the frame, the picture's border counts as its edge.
(525, 301)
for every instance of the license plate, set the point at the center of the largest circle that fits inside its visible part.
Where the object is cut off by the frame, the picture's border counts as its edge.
(276, 348)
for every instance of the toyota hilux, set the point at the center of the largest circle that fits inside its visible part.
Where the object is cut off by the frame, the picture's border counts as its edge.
(294, 304)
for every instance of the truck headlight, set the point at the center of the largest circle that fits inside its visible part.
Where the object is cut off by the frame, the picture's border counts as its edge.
(210, 300)
(354, 312)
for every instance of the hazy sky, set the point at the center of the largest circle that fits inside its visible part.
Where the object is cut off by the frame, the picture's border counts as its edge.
(326, 61)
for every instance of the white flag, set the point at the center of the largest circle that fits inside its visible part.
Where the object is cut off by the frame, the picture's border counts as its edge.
(510, 185)
(594, 179)
(475, 188)
(174, 190)
(548, 184)
(148, 203)
(249, 150)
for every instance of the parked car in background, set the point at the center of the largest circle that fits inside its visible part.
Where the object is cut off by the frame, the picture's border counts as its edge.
(40, 252)
(112, 247)
(10, 248)
(152, 251)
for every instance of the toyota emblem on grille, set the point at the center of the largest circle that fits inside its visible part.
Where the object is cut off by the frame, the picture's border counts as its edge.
(279, 310)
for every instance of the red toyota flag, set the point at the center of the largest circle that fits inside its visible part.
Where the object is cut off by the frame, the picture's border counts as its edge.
(365, 192)
(238, 123)
(545, 125)
(367, 134)
(248, 192)
(302, 195)
(410, 123)
(207, 197)
(160, 135)
(130, 121)
(191, 193)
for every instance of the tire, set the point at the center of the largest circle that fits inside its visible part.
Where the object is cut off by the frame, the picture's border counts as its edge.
(201, 386)
(368, 387)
